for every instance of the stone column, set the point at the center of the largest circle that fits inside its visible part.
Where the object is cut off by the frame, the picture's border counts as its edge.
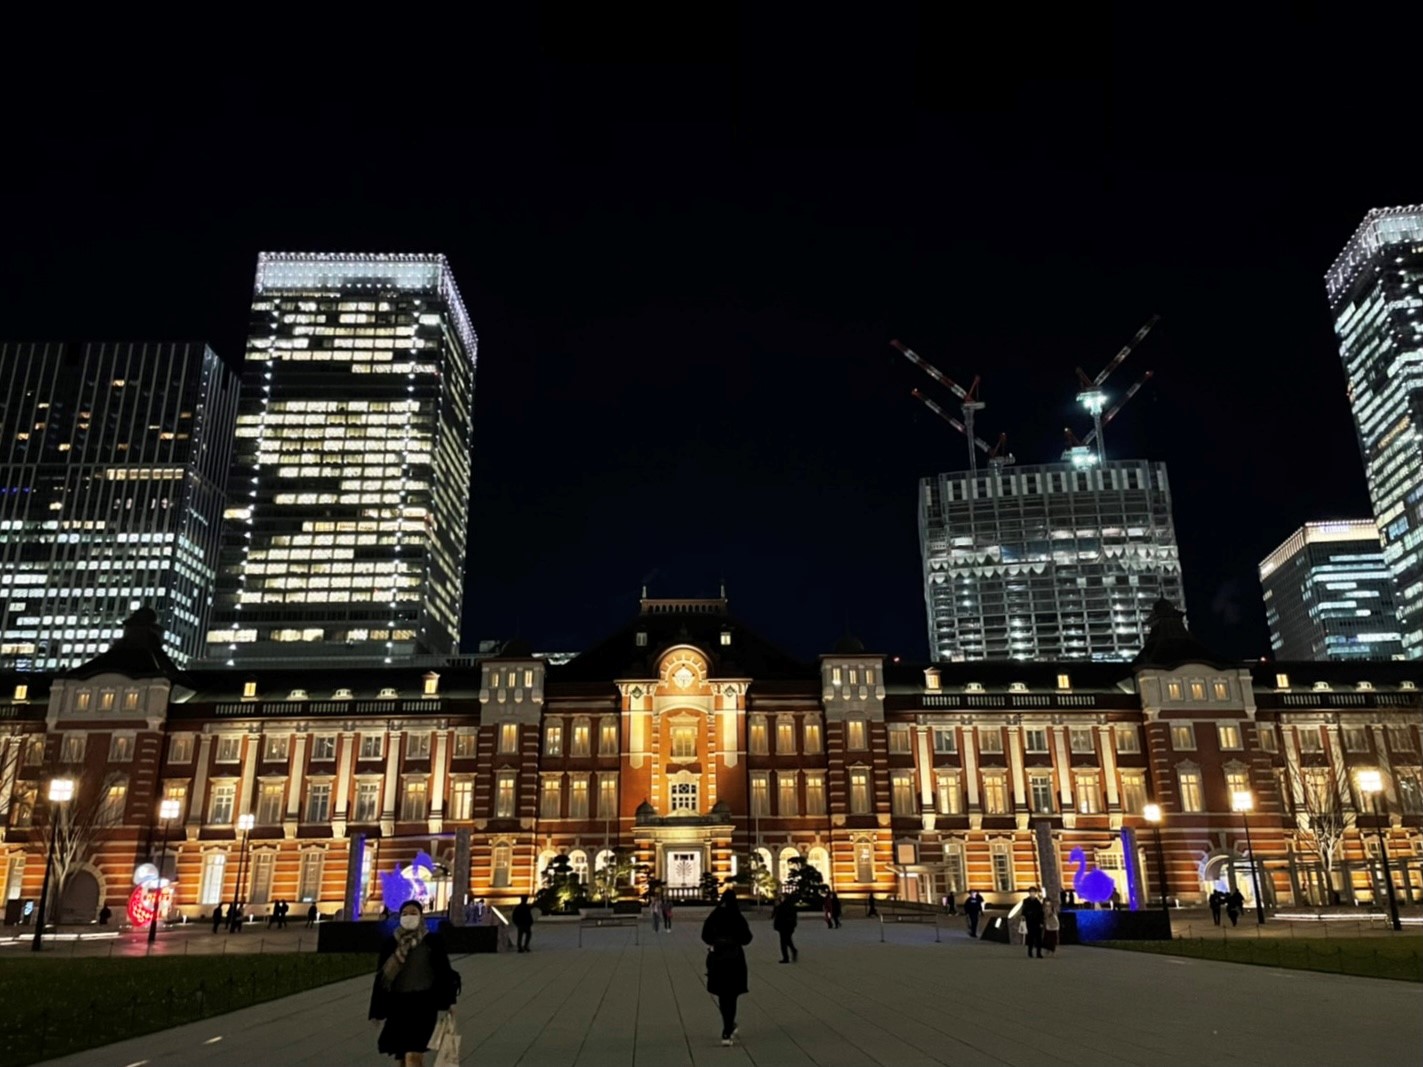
(197, 801)
(341, 801)
(298, 771)
(250, 755)
(390, 796)
(439, 772)
(970, 771)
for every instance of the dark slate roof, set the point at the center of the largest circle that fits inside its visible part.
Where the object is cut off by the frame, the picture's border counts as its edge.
(997, 675)
(848, 645)
(1169, 644)
(137, 654)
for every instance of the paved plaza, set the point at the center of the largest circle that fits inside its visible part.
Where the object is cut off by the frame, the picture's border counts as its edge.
(849, 1002)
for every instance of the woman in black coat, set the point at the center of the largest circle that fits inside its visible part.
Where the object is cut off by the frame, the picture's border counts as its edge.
(414, 983)
(728, 934)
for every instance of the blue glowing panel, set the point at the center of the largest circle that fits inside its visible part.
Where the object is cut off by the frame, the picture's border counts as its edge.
(1094, 886)
(408, 883)
(1129, 861)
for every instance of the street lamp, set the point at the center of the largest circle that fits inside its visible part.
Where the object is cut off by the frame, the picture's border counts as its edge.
(61, 791)
(1371, 784)
(1152, 813)
(245, 824)
(167, 812)
(1243, 801)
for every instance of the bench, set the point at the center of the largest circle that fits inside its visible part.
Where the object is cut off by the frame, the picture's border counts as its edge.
(610, 919)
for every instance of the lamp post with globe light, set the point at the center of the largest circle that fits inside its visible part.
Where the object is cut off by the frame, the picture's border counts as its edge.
(1371, 785)
(167, 812)
(61, 791)
(1243, 801)
(1152, 814)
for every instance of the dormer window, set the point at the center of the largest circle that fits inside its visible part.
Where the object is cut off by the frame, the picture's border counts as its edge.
(297, 694)
(432, 684)
(1407, 685)
(22, 692)
(931, 679)
(249, 690)
(528, 677)
(341, 694)
(834, 675)
(854, 676)
(726, 637)
(973, 687)
(1321, 687)
(1064, 681)
(1017, 687)
(1282, 681)
(388, 693)
(641, 639)
(1366, 687)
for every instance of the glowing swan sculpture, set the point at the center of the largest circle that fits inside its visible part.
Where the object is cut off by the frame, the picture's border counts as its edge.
(1094, 886)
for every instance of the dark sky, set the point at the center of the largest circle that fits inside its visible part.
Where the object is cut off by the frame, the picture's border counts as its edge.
(685, 246)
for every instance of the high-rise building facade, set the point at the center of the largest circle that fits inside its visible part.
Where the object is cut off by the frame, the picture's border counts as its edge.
(350, 490)
(1375, 292)
(1051, 562)
(113, 459)
(1329, 595)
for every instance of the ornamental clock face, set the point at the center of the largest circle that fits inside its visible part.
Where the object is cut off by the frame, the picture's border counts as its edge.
(683, 668)
(684, 677)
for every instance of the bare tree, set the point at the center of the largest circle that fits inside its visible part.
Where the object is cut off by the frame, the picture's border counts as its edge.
(1324, 814)
(77, 826)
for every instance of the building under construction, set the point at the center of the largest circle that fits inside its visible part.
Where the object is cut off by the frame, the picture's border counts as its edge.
(1061, 561)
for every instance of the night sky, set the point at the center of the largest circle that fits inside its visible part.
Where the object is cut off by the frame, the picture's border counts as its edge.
(686, 246)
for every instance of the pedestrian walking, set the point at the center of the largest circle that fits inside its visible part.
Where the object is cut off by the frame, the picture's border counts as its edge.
(1217, 899)
(783, 921)
(1234, 905)
(727, 935)
(217, 918)
(524, 922)
(414, 982)
(655, 906)
(1052, 923)
(667, 903)
(312, 914)
(972, 909)
(1033, 918)
(235, 918)
(835, 908)
(829, 916)
(870, 910)
(950, 903)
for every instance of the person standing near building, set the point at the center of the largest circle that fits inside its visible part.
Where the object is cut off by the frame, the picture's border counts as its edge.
(871, 912)
(1216, 900)
(524, 922)
(312, 914)
(1052, 923)
(972, 909)
(1234, 905)
(835, 908)
(655, 906)
(1033, 916)
(727, 933)
(783, 921)
(950, 904)
(414, 982)
(666, 912)
(217, 918)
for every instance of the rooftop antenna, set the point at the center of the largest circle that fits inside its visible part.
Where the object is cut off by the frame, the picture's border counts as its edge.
(968, 398)
(1094, 399)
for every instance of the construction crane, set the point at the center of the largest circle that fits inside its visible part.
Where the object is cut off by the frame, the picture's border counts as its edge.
(968, 398)
(997, 457)
(1079, 452)
(1092, 397)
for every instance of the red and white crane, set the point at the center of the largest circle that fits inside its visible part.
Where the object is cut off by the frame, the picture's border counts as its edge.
(1094, 399)
(969, 404)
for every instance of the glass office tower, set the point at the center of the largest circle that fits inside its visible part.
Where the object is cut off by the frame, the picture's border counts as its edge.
(350, 490)
(113, 459)
(1328, 594)
(1051, 562)
(1375, 292)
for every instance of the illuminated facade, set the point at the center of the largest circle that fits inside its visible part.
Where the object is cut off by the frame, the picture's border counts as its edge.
(690, 742)
(350, 488)
(1375, 291)
(1052, 562)
(113, 459)
(1329, 595)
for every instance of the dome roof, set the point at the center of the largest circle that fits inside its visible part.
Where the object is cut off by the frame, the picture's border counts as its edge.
(848, 645)
(517, 647)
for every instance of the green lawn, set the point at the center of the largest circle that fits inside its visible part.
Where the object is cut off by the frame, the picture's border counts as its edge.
(1373, 957)
(54, 1007)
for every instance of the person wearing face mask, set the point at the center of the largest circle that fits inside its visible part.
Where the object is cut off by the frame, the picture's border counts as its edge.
(414, 982)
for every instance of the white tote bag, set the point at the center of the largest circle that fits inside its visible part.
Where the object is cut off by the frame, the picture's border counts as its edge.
(446, 1041)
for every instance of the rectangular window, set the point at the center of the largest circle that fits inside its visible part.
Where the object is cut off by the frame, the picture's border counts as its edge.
(1190, 790)
(811, 735)
(1319, 790)
(786, 793)
(901, 796)
(269, 803)
(1356, 739)
(15, 876)
(578, 797)
(1035, 739)
(1220, 690)
(415, 800)
(462, 799)
(1282, 789)
(607, 796)
(814, 793)
(71, 749)
(864, 862)
(308, 885)
(106, 700)
(466, 742)
(34, 751)
(785, 736)
(1089, 793)
(1040, 794)
(1400, 738)
(1410, 790)
(1198, 690)
(1133, 792)
(504, 795)
(1183, 736)
(260, 864)
(551, 798)
(582, 738)
(758, 745)
(1173, 691)
(608, 736)
(177, 791)
(372, 746)
(220, 810)
(1266, 736)
(1126, 738)
(855, 734)
(367, 801)
(508, 737)
(990, 739)
(180, 748)
(995, 795)
(948, 795)
(214, 867)
(323, 748)
(318, 802)
(1236, 782)
(229, 749)
(417, 746)
(946, 742)
(1003, 867)
(553, 739)
(500, 863)
(1228, 734)
(1310, 739)
(121, 748)
(1080, 740)
(859, 791)
(22, 806)
(683, 796)
(760, 794)
(684, 742)
(899, 740)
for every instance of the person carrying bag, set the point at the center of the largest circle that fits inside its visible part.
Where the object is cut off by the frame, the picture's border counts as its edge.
(414, 983)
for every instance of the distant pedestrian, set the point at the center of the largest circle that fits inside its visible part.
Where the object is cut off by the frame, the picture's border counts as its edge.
(284, 908)
(1234, 905)
(235, 918)
(312, 914)
(1033, 916)
(105, 914)
(1216, 901)
(274, 915)
(835, 908)
(972, 909)
(783, 921)
(1116, 900)
(871, 911)
(414, 982)
(950, 903)
(1052, 923)
(727, 934)
(524, 922)
(667, 903)
(655, 906)
(829, 917)
(217, 918)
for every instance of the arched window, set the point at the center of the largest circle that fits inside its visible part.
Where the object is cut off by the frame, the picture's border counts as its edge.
(503, 858)
(787, 854)
(864, 862)
(820, 860)
(764, 856)
(578, 860)
(545, 858)
(602, 859)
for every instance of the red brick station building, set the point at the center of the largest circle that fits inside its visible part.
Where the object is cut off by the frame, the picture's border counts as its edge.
(690, 739)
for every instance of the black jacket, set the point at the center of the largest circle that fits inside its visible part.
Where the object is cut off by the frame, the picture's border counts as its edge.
(1033, 911)
(784, 918)
(523, 916)
(447, 979)
(726, 931)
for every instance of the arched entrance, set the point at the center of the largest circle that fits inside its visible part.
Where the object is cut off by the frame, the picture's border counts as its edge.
(80, 901)
(1228, 871)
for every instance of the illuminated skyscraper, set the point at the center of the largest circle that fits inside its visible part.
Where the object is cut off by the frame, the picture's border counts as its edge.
(350, 488)
(112, 464)
(1375, 292)
(1052, 562)
(1328, 594)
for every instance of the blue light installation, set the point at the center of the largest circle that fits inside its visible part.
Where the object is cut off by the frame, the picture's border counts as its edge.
(1093, 886)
